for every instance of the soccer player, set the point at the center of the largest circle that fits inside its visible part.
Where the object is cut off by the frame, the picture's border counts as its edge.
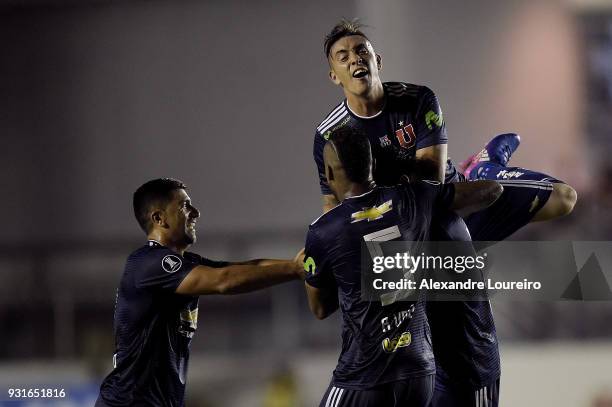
(386, 357)
(406, 130)
(156, 312)
(464, 337)
(404, 124)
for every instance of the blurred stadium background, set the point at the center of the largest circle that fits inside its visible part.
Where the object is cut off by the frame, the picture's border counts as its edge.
(97, 97)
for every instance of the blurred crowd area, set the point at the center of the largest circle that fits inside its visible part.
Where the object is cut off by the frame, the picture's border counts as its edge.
(265, 348)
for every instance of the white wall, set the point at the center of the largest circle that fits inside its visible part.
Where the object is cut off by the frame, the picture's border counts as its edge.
(496, 66)
(224, 95)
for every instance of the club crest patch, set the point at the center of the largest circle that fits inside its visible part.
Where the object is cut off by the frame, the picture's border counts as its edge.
(171, 263)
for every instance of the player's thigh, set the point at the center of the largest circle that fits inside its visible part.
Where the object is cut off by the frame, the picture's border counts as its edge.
(448, 395)
(336, 396)
(515, 208)
(416, 392)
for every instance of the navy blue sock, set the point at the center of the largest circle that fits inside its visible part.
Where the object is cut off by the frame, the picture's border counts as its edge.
(494, 171)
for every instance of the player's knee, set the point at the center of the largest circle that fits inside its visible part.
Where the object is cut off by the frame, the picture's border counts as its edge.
(566, 198)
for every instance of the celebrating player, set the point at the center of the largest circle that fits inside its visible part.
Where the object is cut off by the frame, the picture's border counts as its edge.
(156, 311)
(386, 357)
(405, 127)
(404, 123)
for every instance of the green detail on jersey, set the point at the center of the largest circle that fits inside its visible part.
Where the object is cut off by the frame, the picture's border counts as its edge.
(329, 132)
(310, 266)
(433, 117)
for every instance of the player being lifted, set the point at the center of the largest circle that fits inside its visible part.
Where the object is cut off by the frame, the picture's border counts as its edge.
(404, 125)
(382, 363)
(156, 313)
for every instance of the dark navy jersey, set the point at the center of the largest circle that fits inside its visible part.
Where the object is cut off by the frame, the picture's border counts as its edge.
(153, 329)
(380, 344)
(464, 337)
(410, 120)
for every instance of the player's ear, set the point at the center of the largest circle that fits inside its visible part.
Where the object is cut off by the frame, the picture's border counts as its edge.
(333, 77)
(378, 62)
(158, 217)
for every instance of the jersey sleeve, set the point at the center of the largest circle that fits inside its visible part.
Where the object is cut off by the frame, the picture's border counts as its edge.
(319, 273)
(430, 126)
(319, 143)
(163, 269)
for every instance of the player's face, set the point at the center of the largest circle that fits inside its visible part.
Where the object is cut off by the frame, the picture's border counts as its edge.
(181, 218)
(354, 65)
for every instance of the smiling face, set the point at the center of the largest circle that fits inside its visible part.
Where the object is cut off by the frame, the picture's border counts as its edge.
(354, 65)
(180, 219)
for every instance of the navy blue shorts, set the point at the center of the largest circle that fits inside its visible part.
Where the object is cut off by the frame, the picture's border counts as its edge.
(515, 208)
(413, 392)
(447, 394)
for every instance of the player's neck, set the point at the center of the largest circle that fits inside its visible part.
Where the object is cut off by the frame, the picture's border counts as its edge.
(368, 104)
(355, 189)
(164, 241)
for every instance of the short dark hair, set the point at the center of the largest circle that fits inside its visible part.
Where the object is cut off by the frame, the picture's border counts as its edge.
(156, 191)
(354, 152)
(344, 28)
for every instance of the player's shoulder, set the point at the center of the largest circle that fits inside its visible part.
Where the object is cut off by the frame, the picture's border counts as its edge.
(402, 88)
(419, 185)
(407, 90)
(344, 211)
(155, 255)
(328, 217)
(337, 115)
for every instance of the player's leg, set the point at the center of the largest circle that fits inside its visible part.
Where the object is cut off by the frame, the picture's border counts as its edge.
(490, 163)
(493, 394)
(416, 391)
(332, 396)
(337, 396)
(449, 394)
(516, 207)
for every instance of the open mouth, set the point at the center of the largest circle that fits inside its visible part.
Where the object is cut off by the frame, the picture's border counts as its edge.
(360, 73)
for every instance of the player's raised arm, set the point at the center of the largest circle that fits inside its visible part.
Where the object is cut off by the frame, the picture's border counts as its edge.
(242, 277)
(431, 135)
(474, 196)
(435, 155)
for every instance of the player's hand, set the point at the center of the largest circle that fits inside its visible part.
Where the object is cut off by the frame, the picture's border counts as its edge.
(299, 260)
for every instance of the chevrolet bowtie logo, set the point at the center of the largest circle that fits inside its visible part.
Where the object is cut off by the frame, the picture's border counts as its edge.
(373, 213)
